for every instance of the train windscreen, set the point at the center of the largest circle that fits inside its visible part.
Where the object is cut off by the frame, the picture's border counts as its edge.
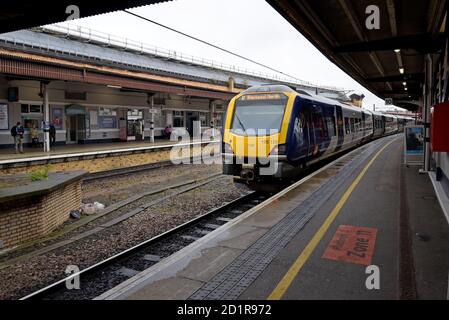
(259, 114)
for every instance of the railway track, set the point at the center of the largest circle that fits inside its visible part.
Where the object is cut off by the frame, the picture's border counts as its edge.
(130, 170)
(105, 275)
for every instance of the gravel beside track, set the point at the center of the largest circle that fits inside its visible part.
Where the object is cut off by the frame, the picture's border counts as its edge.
(112, 190)
(22, 278)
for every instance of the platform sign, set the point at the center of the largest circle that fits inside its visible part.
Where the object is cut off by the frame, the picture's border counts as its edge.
(389, 101)
(4, 117)
(414, 144)
(352, 244)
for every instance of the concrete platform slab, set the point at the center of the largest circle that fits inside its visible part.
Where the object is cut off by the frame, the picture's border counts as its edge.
(239, 235)
(205, 267)
(250, 257)
(176, 288)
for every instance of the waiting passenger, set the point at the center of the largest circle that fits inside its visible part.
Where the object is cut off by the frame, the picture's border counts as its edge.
(17, 133)
(168, 130)
(52, 132)
(139, 130)
(34, 137)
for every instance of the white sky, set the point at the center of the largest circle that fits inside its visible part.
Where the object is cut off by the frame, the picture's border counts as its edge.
(251, 28)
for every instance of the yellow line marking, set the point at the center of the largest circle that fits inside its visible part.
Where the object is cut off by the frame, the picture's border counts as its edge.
(291, 274)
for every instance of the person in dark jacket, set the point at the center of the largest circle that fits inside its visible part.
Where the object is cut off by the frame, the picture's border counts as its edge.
(52, 134)
(17, 133)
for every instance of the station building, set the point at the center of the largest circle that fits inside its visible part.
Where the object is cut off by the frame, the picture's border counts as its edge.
(101, 88)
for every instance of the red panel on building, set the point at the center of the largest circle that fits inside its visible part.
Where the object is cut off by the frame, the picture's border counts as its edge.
(440, 128)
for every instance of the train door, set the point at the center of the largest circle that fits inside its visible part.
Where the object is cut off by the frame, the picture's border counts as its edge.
(192, 121)
(305, 137)
(302, 134)
(340, 129)
(320, 130)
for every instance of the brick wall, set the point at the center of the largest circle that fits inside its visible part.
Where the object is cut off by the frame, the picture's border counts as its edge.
(102, 164)
(25, 220)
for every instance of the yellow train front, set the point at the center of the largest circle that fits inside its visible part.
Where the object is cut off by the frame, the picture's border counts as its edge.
(273, 132)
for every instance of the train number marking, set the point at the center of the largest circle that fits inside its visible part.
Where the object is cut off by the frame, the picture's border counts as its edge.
(352, 244)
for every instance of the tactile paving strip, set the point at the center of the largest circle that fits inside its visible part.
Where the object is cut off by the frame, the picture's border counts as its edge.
(233, 280)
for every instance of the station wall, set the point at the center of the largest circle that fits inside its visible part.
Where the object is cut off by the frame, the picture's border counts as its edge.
(96, 111)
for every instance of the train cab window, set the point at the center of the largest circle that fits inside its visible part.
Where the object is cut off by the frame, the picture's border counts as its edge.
(347, 126)
(259, 114)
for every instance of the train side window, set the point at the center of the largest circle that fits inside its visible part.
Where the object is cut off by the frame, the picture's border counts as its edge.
(352, 125)
(318, 124)
(347, 126)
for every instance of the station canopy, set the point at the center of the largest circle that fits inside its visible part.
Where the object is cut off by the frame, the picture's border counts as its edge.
(385, 58)
(19, 14)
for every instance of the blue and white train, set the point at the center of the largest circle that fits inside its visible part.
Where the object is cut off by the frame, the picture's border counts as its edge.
(276, 123)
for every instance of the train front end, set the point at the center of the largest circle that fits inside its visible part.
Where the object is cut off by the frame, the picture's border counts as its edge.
(255, 133)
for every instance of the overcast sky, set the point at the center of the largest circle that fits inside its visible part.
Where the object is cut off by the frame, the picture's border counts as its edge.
(251, 28)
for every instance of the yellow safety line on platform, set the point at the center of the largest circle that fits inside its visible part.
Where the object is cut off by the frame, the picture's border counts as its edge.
(291, 274)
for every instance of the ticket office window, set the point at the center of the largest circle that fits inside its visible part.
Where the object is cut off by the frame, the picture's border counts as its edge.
(203, 119)
(104, 112)
(178, 119)
(218, 117)
(159, 119)
(31, 115)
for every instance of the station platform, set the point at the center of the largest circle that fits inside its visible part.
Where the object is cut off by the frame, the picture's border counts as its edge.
(316, 239)
(9, 154)
(95, 157)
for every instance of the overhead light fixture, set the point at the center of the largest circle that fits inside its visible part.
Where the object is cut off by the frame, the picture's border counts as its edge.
(404, 83)
(114, 87)
(397, 50)
(405, 89)
(401, 70)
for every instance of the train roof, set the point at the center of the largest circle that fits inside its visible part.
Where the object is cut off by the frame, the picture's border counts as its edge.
(325, 100)
(304, 95)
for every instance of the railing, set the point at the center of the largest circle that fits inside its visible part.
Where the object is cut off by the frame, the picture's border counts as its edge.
(98, 37)
(91, 35)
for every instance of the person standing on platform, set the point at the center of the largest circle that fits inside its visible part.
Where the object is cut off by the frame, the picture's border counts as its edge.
(52, 134)
(17, 133)
(34, 137)
(138, 130)
(168, 130)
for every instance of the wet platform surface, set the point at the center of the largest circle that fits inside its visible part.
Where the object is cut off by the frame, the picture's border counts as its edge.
(316, 240)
